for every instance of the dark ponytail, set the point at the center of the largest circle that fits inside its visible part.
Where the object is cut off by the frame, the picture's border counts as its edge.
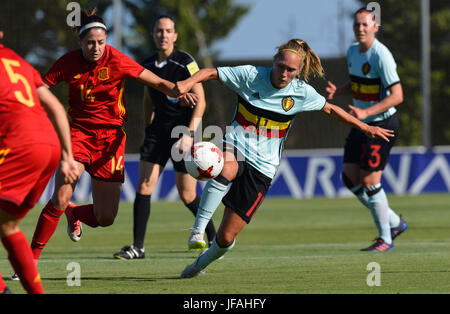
(88, 17)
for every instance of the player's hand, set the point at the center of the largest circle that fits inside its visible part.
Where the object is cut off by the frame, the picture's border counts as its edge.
(185, 143)
(182, 87)
(189, 99)
(358, 113)
(330, 90)
(69, 169)
(375, 132)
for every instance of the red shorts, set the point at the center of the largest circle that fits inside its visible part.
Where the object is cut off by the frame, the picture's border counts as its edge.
(102, 152)
(24, 174)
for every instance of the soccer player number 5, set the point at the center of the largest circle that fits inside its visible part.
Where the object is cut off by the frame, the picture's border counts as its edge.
(16, 78)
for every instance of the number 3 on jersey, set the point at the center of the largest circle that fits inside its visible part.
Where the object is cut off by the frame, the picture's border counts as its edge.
(16, 78)
(375, 157)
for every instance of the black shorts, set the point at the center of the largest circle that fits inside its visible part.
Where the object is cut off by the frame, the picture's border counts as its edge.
(247, 191)
(370, 154)
(158, 144)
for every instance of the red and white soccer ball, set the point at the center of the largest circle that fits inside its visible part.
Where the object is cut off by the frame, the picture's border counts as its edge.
(205, 161)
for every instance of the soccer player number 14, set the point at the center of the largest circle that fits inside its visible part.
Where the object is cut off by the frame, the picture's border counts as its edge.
(86, 96)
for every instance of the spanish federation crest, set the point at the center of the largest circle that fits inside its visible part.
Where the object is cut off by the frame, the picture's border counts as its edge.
(103, 74)
(366, 68)
(287, 103)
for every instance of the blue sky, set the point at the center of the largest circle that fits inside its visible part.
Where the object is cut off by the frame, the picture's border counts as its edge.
(322, 23)
(325, 24)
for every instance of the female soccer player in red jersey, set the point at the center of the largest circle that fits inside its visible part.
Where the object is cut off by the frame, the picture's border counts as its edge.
(29, 155)
(96, 75)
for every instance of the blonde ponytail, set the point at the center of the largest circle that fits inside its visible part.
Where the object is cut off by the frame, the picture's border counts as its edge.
(311, 62)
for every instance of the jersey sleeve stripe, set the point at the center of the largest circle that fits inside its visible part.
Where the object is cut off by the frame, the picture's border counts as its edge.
(122, 110)
(395, 83)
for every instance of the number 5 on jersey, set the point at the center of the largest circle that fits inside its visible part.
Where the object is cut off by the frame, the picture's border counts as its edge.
(16, 78)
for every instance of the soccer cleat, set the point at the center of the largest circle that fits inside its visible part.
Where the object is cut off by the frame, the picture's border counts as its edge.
(192, 270)
(74, 228)
(395, 232)
(129, 252)
(380, 246)
(196, 241)
(14, 277)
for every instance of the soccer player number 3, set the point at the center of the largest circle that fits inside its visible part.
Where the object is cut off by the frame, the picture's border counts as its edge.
(16, 78)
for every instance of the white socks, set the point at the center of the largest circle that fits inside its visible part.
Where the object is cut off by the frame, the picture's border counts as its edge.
(211, 197)
(212, 254)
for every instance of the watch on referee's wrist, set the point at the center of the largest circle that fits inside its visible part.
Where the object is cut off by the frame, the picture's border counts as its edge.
(191, 134)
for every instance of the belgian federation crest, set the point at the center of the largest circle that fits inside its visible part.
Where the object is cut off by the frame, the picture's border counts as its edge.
(103, 74)
(287, 103)
(366, 68)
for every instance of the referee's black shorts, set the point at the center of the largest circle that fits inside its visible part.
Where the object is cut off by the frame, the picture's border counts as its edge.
(157, 146)
(370, 154)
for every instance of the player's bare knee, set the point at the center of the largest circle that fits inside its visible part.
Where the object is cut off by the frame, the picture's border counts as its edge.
(145, 188)
(188, 197)
(62, 196)
(224, 238)
(105, 221)
(105, 218)
(61, 201)
(8, 227)
(230, 170)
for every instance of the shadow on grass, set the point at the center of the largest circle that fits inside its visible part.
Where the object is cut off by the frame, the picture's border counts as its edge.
(139, 279)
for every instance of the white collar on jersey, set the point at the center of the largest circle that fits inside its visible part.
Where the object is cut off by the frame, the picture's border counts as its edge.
(160, 65)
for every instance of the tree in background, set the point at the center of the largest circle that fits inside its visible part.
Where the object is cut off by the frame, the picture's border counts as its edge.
(37, 29)
(400, 32)
(199, 24)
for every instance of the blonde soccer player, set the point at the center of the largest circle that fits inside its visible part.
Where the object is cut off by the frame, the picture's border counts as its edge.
(267, 101)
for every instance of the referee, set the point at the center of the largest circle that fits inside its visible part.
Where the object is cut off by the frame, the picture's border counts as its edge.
(163, 114)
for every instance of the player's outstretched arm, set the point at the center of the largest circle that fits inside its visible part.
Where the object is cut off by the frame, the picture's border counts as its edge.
(58, 116)
(182, 87)
(149, 78)
(371, 131)
(333, 91)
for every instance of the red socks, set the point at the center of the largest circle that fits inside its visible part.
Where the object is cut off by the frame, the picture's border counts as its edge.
(21, 258)
(48, 222)
(2, 284)
(46, 226)
(85, 214)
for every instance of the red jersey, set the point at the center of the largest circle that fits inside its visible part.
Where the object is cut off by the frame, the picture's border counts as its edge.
(95, 88)
(22, 118)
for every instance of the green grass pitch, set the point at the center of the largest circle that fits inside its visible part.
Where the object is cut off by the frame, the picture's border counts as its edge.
(290, 247)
